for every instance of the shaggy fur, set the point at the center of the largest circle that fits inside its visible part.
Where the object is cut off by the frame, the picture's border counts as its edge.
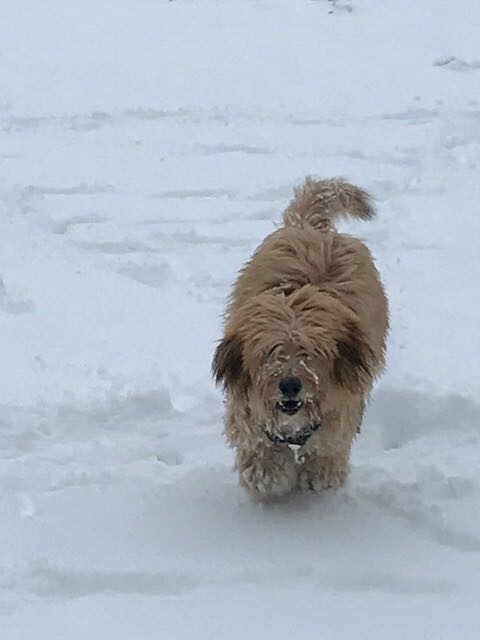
(309, 307)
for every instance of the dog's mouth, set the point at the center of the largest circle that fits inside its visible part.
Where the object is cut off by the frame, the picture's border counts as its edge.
(297, 438)
(290, 407)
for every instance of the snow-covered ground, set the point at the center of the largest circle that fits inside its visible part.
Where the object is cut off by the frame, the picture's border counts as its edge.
(145, 149)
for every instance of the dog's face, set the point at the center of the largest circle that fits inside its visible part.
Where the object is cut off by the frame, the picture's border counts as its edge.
(288, 392)
(287, 354)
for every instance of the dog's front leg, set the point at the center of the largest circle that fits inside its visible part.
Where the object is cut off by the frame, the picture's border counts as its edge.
(324, 461)
(266, 470)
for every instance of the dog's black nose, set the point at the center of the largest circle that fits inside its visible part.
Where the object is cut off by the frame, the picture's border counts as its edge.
(290, 386)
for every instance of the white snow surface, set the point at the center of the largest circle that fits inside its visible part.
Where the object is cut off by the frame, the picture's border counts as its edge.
(146, 148)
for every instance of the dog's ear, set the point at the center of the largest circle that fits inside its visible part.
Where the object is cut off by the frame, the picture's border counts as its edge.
(227, 365)
(352, 367)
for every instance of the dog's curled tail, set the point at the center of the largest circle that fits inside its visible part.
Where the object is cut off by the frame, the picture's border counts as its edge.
(318, 202)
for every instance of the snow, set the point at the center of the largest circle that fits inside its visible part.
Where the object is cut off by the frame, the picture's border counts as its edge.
(146, 149)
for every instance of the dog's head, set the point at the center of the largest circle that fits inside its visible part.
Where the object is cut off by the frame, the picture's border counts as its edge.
(287, 354)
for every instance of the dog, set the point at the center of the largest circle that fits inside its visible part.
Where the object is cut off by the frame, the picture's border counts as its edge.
(304, 340)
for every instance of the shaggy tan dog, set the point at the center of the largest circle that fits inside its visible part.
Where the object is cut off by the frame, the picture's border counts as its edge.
(304, 340)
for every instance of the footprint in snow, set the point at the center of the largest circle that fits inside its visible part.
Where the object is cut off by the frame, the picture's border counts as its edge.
(10, 304)
(452, 63)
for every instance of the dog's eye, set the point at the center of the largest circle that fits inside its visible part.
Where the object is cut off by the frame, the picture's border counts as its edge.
(271, 351)
(303, 355)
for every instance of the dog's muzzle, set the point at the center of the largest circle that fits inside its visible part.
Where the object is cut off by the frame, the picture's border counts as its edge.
(297, 437)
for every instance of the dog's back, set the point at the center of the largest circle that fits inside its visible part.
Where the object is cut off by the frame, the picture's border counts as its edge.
(309, 250)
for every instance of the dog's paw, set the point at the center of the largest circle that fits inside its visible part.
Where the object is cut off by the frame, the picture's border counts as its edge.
(322, 473)
(270, 476)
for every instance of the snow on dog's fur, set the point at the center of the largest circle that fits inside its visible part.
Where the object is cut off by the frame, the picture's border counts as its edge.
(304, 340)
